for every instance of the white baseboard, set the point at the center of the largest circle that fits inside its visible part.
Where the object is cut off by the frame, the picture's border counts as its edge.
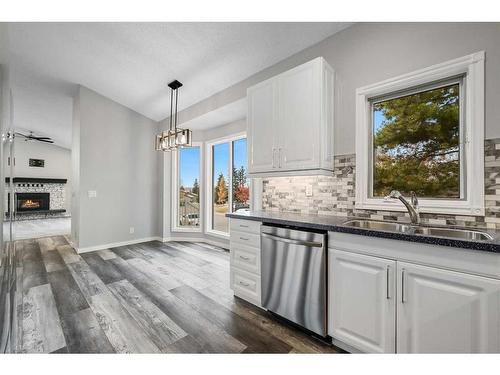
(115, 244)
(224, 245)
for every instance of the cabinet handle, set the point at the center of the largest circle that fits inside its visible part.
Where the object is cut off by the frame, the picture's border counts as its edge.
(388, 272)
(244, 238)
(279, 157)
(403, 297)
(243, 226)
(274, 157)
(244, 284)
(244, 257)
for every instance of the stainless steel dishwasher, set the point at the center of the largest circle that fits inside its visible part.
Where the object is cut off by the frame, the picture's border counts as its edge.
(293, 276)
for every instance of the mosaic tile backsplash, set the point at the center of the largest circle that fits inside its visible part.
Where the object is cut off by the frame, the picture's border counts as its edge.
(335, 195)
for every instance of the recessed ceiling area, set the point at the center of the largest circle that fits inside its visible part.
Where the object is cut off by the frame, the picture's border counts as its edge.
(221, 116)
(131, 63)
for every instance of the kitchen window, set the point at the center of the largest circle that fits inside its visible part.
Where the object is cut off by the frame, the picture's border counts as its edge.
(186, 189)
(423, 132)
(228, 187)
(416, 140)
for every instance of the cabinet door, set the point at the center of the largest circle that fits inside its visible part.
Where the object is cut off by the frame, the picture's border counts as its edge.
(442, 311)
(299, 103)
(262, 127)
(362, 303)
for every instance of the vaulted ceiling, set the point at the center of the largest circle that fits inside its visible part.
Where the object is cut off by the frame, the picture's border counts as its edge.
(131, 63)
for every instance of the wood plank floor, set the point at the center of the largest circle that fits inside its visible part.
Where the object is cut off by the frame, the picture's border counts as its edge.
(147, 298)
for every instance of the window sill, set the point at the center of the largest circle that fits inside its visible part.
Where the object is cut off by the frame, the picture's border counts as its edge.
(425, 206)
(186, 230)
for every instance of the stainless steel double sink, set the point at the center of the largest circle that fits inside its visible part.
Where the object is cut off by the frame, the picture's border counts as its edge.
(453, 233)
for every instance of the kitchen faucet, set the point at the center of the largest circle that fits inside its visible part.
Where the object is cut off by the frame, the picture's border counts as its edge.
(411, 207)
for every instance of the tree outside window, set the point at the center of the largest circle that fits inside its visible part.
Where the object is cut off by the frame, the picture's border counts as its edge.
(416, 141)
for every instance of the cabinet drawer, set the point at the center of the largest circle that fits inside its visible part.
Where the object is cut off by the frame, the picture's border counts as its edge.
(246, 257)
(247, 226)
(249, 239)
(246, 286)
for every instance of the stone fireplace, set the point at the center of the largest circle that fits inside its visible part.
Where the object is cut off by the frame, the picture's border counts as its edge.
(37, 198)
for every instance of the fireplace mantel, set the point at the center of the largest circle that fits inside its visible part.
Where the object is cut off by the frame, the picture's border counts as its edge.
(38, 180)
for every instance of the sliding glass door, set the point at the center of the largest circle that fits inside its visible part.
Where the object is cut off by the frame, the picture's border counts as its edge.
(229, 189)
(240, 187)
(220, 187)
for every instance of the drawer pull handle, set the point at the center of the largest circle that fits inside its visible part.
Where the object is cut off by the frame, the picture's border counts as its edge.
(244, 238)
(244, 257)
(388, 288)
(403, 286)
(244, 284)
(243, 226)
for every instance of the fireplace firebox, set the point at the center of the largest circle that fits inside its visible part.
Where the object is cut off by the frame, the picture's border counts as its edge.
(27, 202)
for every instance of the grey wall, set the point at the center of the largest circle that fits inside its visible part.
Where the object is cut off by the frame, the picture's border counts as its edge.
(117, 159)
(4, 120)
(57, 163)
(370, 52)
(75, 172)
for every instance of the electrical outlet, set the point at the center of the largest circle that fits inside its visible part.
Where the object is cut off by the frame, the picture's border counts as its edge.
(309, 191)
(132, 230)
(92, 193)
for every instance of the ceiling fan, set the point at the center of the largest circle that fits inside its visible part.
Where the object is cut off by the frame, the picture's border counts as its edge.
(32, 137)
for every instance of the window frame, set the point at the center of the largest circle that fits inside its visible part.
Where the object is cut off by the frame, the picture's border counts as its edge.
(458, 80)
(209, 178)
(471, 68)
(175, 193)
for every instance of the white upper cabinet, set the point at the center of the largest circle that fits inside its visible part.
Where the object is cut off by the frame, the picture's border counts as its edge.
(298, 113)
(290, 122)
(362, 295)
(442, 311)
(262, 142)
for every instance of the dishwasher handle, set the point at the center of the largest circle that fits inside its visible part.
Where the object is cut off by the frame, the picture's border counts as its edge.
(294, 242)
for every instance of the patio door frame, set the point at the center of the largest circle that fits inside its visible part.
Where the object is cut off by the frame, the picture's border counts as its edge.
(209, 193)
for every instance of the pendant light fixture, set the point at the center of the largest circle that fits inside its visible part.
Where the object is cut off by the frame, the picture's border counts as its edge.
(175, 137)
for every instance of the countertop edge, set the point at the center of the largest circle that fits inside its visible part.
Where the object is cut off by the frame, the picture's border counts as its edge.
(492, 247)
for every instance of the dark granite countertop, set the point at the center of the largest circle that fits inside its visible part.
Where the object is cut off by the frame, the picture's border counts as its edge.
(336, 224)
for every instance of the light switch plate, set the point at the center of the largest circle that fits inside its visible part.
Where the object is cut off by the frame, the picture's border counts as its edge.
(309, 191)
(92, 193)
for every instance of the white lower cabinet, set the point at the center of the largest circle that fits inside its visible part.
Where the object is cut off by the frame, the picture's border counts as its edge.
(362, 301)
(441, 311)
(377, 305)
(244, 246)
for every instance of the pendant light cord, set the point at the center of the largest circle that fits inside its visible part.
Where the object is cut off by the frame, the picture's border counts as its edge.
(176, 101)
(171, 106)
